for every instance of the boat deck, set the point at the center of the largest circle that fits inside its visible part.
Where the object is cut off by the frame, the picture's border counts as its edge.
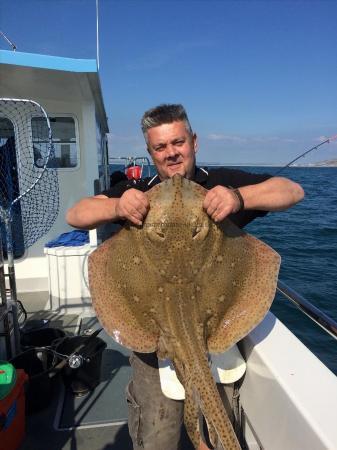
(95, 421)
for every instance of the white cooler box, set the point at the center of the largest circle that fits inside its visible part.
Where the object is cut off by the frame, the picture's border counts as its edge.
(68, 277)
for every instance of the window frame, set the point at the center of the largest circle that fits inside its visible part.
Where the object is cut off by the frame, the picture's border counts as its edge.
(77, 136)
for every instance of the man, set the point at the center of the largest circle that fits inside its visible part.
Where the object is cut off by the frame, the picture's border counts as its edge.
(154, 420)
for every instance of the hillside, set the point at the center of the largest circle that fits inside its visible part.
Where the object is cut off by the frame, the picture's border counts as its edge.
(326, 163)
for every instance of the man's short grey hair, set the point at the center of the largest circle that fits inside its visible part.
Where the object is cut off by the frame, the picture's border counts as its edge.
(165, 113)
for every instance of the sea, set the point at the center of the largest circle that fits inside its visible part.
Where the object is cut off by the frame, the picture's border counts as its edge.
(306, 238)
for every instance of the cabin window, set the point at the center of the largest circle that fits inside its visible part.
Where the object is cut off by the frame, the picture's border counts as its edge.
(64, 139)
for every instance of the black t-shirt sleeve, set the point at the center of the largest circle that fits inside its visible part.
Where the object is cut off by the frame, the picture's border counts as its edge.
(237, 178)
(243, 218)
(118, 189)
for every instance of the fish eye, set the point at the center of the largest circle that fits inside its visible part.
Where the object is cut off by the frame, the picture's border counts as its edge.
(195, 231)
(156, 234)
(200, 231)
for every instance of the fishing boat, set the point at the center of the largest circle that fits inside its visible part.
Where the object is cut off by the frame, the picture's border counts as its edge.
(286, 397)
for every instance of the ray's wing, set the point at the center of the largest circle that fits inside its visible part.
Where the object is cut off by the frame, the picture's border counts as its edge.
(238, 286)
(123, 292)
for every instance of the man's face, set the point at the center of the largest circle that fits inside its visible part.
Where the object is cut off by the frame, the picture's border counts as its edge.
(172, 149)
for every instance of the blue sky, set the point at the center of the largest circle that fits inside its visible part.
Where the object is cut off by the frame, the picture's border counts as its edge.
(258, 79)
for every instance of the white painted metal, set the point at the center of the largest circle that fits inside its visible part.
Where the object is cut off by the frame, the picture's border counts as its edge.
(60, 93)
(288, 395)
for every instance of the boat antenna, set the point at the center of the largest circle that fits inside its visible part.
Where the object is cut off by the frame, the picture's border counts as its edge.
(328, 140)
(97, 36)
(9, 41)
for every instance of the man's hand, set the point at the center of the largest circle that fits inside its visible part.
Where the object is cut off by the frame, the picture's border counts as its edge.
(219, 202)
(133, 205)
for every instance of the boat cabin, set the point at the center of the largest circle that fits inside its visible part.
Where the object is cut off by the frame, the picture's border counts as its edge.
(69, 90)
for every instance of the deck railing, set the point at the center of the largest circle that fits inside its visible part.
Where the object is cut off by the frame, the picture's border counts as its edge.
(315, 314)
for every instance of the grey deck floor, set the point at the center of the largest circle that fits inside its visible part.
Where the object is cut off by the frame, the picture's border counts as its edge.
(96, 421)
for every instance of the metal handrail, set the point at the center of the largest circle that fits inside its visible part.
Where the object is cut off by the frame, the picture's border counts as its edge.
(316, 315)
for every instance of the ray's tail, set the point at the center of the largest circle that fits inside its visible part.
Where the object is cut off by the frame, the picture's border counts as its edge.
(189, 356)
(201, 392)
(204, 386)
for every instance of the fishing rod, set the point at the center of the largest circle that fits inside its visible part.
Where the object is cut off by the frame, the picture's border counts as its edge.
(8, 40)
(332, 138)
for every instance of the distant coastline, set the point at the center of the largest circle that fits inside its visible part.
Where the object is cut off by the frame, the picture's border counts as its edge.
(215, 164)
(327, 163)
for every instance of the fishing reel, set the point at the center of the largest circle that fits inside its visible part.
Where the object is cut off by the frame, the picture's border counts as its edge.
(75, 361)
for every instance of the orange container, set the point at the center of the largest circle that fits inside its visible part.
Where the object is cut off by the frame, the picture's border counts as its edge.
(133, 172)
(12, 414)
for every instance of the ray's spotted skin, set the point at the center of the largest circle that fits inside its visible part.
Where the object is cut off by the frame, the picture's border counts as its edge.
(184, 286)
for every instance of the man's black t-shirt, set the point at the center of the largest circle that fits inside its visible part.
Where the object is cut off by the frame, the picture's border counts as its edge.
(208, 179)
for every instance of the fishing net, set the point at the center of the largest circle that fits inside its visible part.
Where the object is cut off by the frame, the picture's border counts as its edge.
(29, 195)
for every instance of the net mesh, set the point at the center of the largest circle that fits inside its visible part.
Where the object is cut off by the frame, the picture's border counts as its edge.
(29, 192)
